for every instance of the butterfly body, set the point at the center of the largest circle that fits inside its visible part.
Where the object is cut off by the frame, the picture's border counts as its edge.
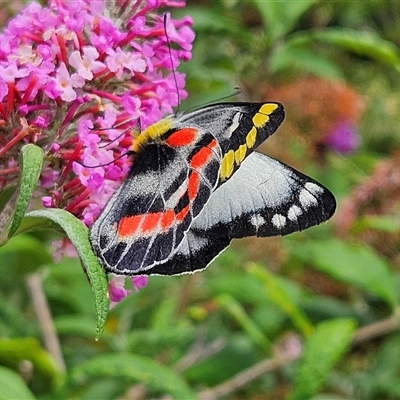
(195, 184)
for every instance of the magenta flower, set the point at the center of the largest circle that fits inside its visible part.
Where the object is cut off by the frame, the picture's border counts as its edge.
(343, 138)
(75, 78)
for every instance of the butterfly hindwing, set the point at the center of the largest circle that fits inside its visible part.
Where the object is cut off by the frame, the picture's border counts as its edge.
(263, 198)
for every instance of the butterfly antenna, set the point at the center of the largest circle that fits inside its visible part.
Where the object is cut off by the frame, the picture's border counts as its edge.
(170, 57)
(129, 152)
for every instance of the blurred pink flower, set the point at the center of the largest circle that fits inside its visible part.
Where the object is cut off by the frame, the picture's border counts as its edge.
(343, 138)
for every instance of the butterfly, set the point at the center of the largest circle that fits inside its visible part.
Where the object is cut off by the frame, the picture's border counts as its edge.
(195, 184)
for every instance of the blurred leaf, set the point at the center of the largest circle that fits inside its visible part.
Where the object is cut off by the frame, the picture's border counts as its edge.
(12, 386)
(322, 351)
(75, 325)
(385, 368)
(277, 293)
(382, 223)
(235, 309)
(280, 17)
(24, 254)
(30, 161)
(358, 265)
(208, 21)
(367, 44)
(362, 43)
(286, 57)
(243, 287)
(77, 232)
(14, 351)
(134, 369)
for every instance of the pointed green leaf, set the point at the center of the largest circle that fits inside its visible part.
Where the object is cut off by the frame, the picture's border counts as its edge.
(322, 351)
(234, 308)
(12, 386)
(133, 368)
(77, 232)
(355, 264)
(276, 292)
(362, 43)
(367, 44)
(31, 161)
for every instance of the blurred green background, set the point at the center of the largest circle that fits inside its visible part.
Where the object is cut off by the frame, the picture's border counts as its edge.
(314, 315)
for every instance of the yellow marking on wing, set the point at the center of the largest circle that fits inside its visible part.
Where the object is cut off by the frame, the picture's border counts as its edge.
(262, 116)
(153, 132)
(251, 137)
(268, 108)
(259, 120)
(240, 154)
(227, 164)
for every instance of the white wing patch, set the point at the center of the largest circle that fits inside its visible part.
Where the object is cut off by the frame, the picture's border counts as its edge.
(279, 221)
(294, 212)
(307, 199)
(234, 125)
(257, 220)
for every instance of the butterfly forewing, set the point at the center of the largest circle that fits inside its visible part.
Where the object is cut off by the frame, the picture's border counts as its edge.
(168, 184)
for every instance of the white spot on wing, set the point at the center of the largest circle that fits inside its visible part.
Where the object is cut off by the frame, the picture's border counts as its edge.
(294, 212)
(233, 126)
(307, 200)
(279, 221)
(257, 221)
(313, 188)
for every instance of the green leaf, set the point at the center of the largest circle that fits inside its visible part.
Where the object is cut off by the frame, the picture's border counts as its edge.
(234, 308)
(14, 351)
(322, 351)
(12, 386)
(285, 57)
(365, 44)
(280, 17)
(362, 43)
(77, 232)
(134, 369)
(355, 264)
(24, 254)
(278, 293)
(31, 161)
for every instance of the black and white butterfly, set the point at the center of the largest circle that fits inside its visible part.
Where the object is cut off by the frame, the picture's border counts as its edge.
(195, 184)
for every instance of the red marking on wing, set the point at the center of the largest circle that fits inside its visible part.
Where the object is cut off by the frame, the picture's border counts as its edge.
(167, 219)
(202, 156)
(151, 221)
(193, 185)
(127, 226)
(182, 137)
(180, 216)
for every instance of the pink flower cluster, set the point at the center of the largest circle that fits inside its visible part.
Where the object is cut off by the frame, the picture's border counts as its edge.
(76, 78)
